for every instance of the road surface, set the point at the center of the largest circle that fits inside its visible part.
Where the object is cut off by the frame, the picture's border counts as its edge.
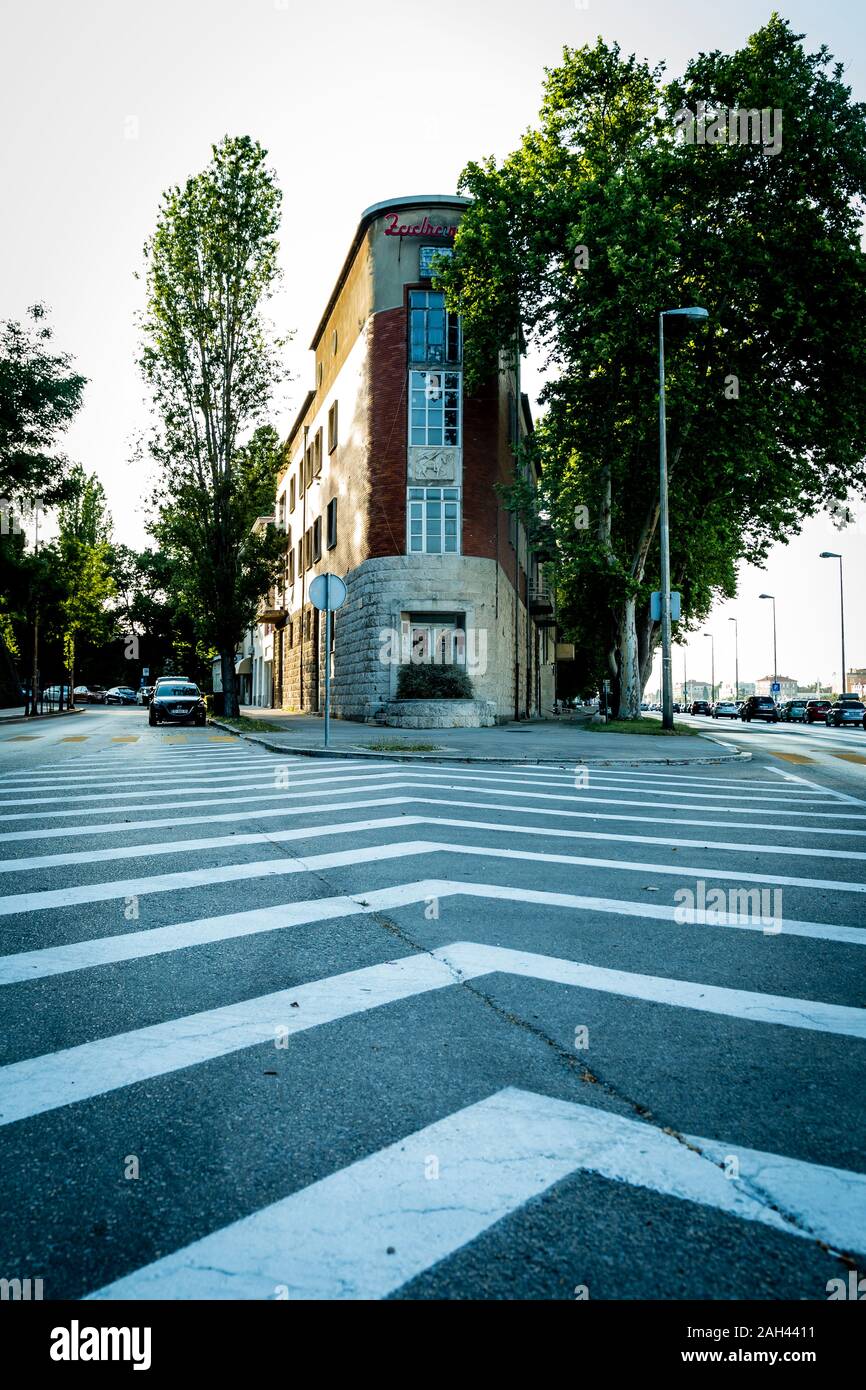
(289, 1028)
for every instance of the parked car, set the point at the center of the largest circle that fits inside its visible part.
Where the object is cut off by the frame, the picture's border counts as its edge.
(160, 679)
(725, 709)
(177, 702)
(143, 694)
(793, 712)
(848, 709)
(759, 707)
(816, 711)
(88, 695)
(700, 707)
(120, 695)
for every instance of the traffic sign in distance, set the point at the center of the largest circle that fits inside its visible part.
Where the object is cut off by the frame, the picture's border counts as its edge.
(656, 606)
(328, 592)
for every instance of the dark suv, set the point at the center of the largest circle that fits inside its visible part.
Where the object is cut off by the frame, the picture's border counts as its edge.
(700, 707)
(760, 707)
(848, 709)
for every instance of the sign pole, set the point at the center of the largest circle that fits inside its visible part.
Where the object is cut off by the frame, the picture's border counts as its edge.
(327, 672)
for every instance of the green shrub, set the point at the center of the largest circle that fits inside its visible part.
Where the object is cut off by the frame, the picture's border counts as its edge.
(429, 681)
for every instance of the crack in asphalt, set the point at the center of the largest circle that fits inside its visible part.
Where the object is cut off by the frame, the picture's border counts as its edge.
(564, 1056)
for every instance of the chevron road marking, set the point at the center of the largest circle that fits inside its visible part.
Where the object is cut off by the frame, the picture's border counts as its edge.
(204, 931)
(37, 1084)
(163, 847)
(274, 868)
(369, 1228)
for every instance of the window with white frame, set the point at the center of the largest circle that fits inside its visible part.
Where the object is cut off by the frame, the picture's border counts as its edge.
(434, 332)
(434, 520)
(434, 408)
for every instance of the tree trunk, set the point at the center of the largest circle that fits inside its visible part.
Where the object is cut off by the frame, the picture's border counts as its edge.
(629, 681)
(230, 685)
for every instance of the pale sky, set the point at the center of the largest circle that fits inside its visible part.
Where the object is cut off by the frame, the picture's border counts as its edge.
(105, 103)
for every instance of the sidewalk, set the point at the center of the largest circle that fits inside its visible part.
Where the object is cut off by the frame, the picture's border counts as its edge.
(16, 715)
(537, 741)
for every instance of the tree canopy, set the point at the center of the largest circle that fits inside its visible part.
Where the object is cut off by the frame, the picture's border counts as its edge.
(602, 218)
(211, 361)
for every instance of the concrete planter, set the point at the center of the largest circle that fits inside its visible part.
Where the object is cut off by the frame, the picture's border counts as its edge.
(440, 714)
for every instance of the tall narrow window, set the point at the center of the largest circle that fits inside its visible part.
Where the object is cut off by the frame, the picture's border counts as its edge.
(308, 465)
(434, 408)
(317, 453)
(434, 520)
(332, 523)
(332, 428)
(292, 493)
(317, 540)
(434, 333)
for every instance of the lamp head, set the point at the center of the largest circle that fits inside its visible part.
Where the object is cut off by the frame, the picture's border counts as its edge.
(830, 555)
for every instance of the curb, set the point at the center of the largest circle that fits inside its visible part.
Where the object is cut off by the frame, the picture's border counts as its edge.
(309, 751)
(37, 718)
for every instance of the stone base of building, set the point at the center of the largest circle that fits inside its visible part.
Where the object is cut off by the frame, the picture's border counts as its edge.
(439, 714)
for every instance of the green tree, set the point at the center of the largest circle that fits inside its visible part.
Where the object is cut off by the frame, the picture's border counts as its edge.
(601, 219)
(211, 363)
(83, 556)
(39, 396)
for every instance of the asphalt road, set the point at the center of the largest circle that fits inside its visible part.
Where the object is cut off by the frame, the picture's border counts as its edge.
(279, 1027)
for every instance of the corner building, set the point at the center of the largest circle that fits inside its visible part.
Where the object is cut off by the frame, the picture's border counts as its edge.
(389, 481)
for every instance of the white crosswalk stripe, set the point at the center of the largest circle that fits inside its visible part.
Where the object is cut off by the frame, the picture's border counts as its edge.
(368, 1229)
(316, 920)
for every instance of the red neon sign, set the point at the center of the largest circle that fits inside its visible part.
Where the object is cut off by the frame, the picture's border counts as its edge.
(425, 228)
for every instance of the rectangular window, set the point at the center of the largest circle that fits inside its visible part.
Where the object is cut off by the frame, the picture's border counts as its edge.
(317, 540)
(434, 520)
(434, 333)
(332, 428)
(301, 474)
(290, 564)
(281, 511)
(308, 465)
(308, 549)
(307, 625)
(292, 493)
(427, 257)
(434, 408)
(332, 523)
(290, 633)
(317, 453)
(300, 557)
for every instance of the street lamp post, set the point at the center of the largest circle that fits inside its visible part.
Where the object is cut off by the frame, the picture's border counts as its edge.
(775, 662)
(736, 658)
(712, 664)
(834, 555)
(664, 531)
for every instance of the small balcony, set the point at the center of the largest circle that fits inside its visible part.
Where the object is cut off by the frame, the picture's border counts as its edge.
(272, 608)
(541, 602)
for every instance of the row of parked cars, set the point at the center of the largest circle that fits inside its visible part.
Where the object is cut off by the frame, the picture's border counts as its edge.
(844, 711)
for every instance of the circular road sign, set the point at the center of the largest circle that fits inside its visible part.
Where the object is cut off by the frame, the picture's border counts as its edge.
(328, 592)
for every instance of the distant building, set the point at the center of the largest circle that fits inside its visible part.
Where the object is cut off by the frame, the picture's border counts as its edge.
(390, 479)
(855, 682)
(789, 687)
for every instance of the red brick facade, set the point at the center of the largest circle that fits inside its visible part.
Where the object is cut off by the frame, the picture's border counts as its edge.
(388, 433)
